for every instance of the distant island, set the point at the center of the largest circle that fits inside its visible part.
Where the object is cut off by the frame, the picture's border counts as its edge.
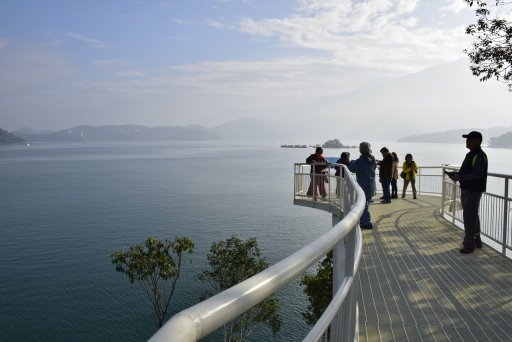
(9, 138)
(504, 140)
(124, 133)
(335, 143)
(294, 146)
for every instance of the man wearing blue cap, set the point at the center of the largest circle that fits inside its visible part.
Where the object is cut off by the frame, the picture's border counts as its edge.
(473, 180)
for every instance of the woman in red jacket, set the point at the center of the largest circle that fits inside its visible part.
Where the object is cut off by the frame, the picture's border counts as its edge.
(317, 173)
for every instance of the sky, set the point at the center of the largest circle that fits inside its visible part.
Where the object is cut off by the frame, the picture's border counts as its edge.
(180, 62)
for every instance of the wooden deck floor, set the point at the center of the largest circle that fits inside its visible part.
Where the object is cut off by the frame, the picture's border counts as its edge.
(414, 285)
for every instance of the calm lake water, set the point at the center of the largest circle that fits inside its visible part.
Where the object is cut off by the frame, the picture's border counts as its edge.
(64, 208)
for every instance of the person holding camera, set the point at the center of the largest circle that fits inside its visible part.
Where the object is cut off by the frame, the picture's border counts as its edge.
(409, 170)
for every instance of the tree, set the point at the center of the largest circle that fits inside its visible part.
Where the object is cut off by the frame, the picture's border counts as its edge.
(318, 288)
(491, 55)
(153, 266)
(230, 262)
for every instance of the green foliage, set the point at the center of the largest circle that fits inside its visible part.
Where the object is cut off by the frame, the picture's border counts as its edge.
(156, 266)
(491, 55)
(230, 262)
(318, 288)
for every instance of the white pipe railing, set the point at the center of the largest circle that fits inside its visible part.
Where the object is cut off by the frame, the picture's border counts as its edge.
(495, 205)
(204, 318)
(495, 208)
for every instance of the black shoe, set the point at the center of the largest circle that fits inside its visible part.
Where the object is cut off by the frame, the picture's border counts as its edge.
(478, 242)
(366, 226)
(466, 250)
(382, 197)
(385, 202)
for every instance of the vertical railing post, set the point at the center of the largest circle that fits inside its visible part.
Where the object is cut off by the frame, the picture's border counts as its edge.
(313, 181)
(419, 181)
(443, 190)
(295, 180)
(454, 203)
(505, 218)
(338, 268)
(347, 313)
(343, 328)
(328, 177)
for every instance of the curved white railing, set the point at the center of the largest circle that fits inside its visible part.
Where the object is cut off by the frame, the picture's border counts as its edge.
(344, 239)
(495, 205)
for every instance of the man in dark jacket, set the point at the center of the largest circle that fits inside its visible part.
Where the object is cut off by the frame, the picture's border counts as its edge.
(386, 173)
(473, 181)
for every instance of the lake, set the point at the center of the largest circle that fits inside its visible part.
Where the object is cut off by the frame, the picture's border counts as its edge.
(64, 208)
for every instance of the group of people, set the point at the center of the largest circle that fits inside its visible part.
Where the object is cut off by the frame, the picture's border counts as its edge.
(472, 177)
(364, 167)
(388, 174)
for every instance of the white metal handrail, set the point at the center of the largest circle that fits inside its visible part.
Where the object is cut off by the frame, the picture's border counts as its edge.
(495, 209)
(202, 319)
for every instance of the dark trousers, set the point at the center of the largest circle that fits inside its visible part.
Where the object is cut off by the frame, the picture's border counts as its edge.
(406, 184)
(394, 188)
(318, 182)
(366, 218)
(470, 201)
(385, 188)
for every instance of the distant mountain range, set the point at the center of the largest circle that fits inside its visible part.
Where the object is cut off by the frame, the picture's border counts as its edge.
(240, 129)
(124, 133)
(454, 136)
(504, 140)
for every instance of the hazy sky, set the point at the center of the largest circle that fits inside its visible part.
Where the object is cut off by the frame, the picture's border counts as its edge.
(178, 62)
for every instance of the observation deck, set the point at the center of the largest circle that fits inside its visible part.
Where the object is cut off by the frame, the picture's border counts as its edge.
(414, 285)
(404, 280)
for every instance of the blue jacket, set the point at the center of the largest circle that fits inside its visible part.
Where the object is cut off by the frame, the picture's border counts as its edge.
(364, 168)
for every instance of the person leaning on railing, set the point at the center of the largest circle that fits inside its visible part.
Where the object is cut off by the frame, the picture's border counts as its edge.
(472, 176)
(364, 168)
(318, 180)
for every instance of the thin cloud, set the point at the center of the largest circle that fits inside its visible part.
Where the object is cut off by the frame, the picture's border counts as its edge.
(90, 41)
(130, 73)
(110, 63)
(372, 34)
(456, 6)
